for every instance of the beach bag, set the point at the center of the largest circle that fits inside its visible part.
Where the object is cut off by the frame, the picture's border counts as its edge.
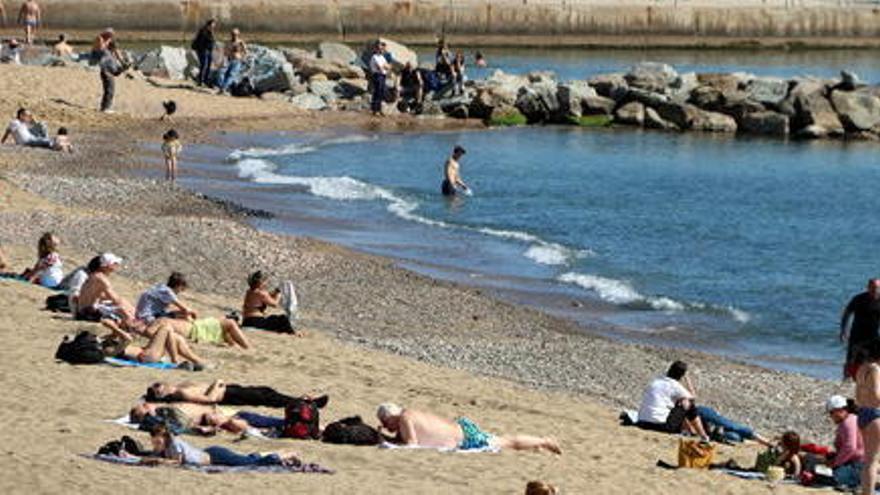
(351, 431)
(245, 87)
(85, 348)
(302, 418)
(58, 303)
(765, 459)
(126, 444)
(695, 453)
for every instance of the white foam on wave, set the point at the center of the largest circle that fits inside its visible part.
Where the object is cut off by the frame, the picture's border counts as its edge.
(622, 293)
(540, 251)
(298, 148)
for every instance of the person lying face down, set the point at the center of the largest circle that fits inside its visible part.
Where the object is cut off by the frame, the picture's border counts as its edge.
(423, 429)
(170, 449)
(218, 392)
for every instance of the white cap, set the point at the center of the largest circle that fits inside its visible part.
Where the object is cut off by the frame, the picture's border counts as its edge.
(835, 402)
(387, 410)
(108, 259)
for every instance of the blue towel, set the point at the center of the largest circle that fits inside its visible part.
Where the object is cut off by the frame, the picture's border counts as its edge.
(136, 364)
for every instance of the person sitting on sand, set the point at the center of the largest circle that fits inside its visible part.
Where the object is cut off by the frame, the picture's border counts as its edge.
(847, 459)
(48, 271)
(171, 449)
(668, 404)
(99, 302)
(451, 175)
(163, 341)
(20, 129)
(789, 459)
(155, 302)
(61, 48)
(257, 300)
(423, 429)
(62, 141)
(867, 364)
(10, 53)
(218, 392)
(206, 419)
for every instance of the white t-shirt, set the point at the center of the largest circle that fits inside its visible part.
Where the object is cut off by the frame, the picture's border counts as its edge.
(378, 64)
(20, 132)
(659, 398)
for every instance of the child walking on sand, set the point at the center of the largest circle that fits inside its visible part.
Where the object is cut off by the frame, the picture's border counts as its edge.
(171, 148)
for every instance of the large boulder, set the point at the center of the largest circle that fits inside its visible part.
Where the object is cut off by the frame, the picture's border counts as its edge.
(505, 85)
(765, 123)
(723, 82)
(308, 101)
(351, 88)
(490, 98)
(653, 76)
(337, 52)
(308, 66)
(653, 120)
(570, 96)
(680, 89)
(633, 113)
(268, 69)
(324, 89)
(597, 105)
(849, 80)
(646, 97)
(767, 90)
(612, 86)
(538, 102)
(713, 122)
(400, 54)
(813, 115)
(166, 62)
(858, 110)
(707, 97)
(680, 114)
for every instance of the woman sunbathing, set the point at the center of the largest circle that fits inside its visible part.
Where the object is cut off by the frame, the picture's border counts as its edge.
(257, 300)
(210, 330)
(162, 341)
(218, 392)
(170, 449)
(206, 419)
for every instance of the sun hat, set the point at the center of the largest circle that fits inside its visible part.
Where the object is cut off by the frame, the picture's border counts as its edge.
(388, 409)
(108, 259)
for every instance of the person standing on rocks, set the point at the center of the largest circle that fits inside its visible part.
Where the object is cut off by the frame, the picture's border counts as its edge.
(203, 45)
(864, 310)
(451, 178)
(379, 68)
(236, 49)
(29, 16)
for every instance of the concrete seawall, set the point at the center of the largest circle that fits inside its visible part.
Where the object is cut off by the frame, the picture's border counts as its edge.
(499, 19)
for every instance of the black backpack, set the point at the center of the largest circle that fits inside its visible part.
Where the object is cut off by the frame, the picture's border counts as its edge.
(351, 431)
(58, 303)
(124, 444)
(245, 87)
(85, 348)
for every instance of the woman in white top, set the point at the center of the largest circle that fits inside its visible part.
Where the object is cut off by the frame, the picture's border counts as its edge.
(48, 270)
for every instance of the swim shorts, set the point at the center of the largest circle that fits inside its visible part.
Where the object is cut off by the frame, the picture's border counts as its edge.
(98, 312)
(206, 330)
(447, 188)
(473, 436)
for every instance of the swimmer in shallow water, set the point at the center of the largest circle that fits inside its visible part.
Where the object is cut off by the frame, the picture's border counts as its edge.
(451, 178)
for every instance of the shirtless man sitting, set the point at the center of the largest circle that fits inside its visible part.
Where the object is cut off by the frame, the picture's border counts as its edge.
(99, 302)
(218, 392)
(62, 48)
(424, 429)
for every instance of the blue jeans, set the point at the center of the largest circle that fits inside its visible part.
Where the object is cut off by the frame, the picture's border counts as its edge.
(229, 74)
(205, 59)
(378, 92)
(260, 420)
(849, 474)
(221, 456)
(733, 432)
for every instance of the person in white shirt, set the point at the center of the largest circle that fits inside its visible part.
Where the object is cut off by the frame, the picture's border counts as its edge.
(379, 68)
(20, 131)
(667, 404)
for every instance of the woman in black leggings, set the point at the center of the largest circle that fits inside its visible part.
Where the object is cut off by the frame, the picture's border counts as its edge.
(217, 393)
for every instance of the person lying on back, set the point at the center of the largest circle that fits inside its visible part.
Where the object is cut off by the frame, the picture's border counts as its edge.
(206, 419)
(218, 392)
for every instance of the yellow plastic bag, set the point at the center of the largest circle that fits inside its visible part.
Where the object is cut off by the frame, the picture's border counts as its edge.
(695, 453)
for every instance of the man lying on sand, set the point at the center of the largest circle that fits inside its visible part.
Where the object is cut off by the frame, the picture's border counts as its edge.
(218, 392)
(424, 429)
(206, 419)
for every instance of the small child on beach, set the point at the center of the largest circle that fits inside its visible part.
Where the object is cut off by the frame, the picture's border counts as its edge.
(171, 148)
(789, 454)
(62, 141)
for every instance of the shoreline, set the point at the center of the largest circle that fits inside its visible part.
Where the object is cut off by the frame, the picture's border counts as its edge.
(92, 201)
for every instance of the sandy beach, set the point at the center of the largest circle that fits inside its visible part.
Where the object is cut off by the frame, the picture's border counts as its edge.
(417, 341)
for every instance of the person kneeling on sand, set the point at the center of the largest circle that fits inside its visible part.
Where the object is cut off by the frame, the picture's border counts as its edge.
(172, 450)
(848, 457)
(423, 429)
(257, 300)
(218, 392)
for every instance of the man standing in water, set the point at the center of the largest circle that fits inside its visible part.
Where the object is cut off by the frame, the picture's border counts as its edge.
(29, 17)
(864, 309)
(451, 178)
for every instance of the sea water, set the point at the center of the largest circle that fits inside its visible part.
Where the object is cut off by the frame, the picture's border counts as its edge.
(744, 247)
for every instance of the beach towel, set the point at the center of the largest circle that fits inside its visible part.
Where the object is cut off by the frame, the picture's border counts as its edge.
(127, 363)
(136, 461)
(488, 449)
